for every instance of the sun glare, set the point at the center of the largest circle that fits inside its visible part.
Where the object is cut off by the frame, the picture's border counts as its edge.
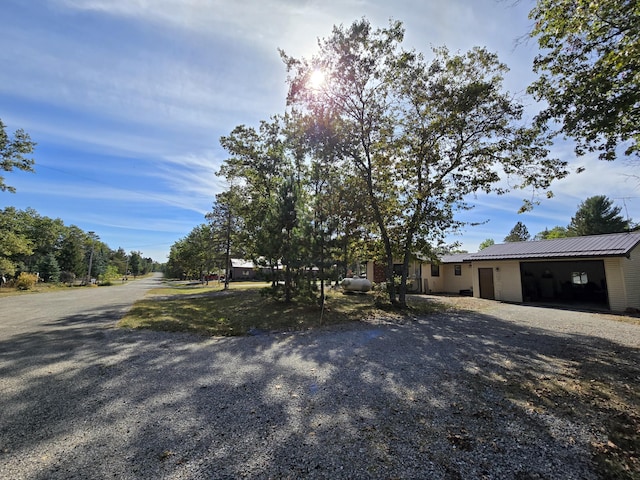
(316, 79)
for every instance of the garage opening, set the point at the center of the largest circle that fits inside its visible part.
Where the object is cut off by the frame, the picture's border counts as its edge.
(565, 282)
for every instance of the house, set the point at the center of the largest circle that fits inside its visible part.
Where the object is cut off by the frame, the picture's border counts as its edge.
(451, 274)
(241, 269)
(598, 270)
(601, 271)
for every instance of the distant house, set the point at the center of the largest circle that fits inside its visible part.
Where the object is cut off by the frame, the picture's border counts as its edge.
(242, 269)
(600, 270)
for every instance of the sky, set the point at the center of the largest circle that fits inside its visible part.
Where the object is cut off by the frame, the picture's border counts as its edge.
(127, 101)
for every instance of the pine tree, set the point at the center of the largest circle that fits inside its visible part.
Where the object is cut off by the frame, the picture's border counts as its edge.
(518, 233)
(597, 215)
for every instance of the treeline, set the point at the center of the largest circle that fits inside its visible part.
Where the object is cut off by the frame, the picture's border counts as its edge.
(35, 244)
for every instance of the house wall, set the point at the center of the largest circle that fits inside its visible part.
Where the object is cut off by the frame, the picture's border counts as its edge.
(506, 279)
(376, 274)
(432, 284)
(631, 269)
(616, 288)
(455, 283)
(623, 281)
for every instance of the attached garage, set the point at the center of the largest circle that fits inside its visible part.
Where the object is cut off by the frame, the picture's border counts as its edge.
(602, 271)
(568, 282)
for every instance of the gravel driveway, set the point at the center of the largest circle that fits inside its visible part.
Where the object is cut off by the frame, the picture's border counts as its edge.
(449, 396)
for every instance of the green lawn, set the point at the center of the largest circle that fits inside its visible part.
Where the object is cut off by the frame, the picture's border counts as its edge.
(209, 310)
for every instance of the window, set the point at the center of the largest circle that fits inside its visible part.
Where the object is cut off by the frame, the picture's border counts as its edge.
(457, 270)
(579, 278)
(435, 270)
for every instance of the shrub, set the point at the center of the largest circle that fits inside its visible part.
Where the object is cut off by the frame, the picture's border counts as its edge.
(67, 277)
(26, 281)
(109, 276)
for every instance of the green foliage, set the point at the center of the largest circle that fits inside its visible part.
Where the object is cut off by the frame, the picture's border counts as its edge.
(49, 269)
(486, 243)
(110, 275)
(555, 232)
(67, 277)
(420, 135)
(589, 72)
(71, 253)
(30, 242)
(13, 151)
(519, 233)
(26, 281)
(597, 215)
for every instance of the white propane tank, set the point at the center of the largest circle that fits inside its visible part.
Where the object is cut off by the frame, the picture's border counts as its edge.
(356, 285)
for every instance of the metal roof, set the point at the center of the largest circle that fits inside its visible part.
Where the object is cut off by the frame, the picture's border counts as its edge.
(456, 258)
(242, 263)
(608, 245)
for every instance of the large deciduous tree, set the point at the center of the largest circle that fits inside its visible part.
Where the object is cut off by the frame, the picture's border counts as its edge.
(597, 215)
(13, 153)
(15, 243)
(589, 72)
(421, 135)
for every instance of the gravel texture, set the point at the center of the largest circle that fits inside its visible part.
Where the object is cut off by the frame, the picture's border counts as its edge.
(422, 398)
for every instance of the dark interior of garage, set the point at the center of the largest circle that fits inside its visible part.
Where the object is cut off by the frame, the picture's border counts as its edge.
(565, 282)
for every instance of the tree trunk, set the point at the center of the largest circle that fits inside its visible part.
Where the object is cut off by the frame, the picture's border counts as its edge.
(403, 280)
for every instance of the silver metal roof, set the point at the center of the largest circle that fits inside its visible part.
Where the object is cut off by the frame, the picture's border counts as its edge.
(609, 245)
(456, 258)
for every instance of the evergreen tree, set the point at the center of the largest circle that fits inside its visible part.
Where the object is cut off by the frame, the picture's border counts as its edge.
(518, 233)
(597, 215)
(13, 151)
(49, 269)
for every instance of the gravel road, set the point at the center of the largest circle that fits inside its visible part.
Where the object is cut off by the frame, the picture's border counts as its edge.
(424, 398)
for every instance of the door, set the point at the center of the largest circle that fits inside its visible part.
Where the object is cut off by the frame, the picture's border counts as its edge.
(486, 283)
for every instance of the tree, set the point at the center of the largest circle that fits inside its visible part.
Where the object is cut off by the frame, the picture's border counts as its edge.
(71, 253)
(225, 227)
(120, 260)
(13, 151)
(258, 165)
(597, 215)
(135, 263)
(589, 72)
(15, 244)
(420, 135)
(556, 232)
(486, 243)
(49, 269)
(518, 233)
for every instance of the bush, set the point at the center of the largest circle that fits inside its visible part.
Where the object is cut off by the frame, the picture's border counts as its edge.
(26, 281)
(67, 277)
(109, 276)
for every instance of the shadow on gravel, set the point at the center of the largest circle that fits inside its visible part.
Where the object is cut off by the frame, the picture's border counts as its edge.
(456, 396)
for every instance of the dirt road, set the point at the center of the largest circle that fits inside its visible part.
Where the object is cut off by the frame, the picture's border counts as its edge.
(60, 310)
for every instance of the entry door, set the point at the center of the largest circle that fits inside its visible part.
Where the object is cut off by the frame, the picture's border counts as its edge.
(486, 283)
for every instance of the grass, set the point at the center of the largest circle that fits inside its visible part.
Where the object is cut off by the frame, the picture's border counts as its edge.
(241, 310)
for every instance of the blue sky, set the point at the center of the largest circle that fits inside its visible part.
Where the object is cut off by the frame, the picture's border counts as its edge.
(127, 100)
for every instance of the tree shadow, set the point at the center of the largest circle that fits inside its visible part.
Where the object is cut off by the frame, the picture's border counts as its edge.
(448, 396)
